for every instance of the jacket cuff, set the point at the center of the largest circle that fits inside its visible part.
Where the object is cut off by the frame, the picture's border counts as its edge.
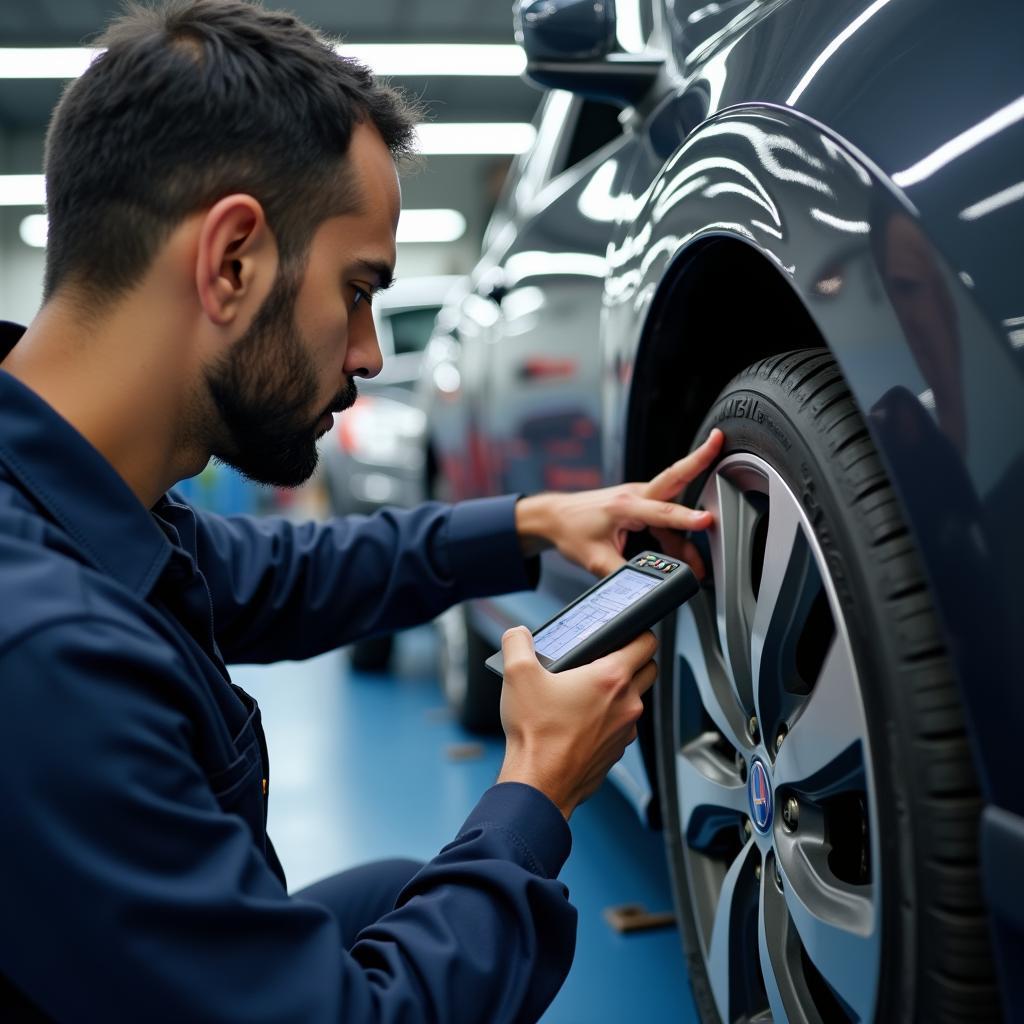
(534, 824)
(484, 549)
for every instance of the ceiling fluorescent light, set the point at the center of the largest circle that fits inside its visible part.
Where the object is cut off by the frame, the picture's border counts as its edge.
(426, 60)
(22, 190)
(430, 226)
(431, 59)
(45, 61)
(510, 137)
(413, 226)
(503, 138)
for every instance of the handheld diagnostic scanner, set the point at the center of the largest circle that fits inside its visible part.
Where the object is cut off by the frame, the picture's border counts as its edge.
(611, 613)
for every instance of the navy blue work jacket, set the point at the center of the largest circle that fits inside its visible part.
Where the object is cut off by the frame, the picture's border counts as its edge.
(138, 882)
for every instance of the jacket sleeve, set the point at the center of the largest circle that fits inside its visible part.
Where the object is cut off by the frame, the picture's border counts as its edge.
(291, 590)
(132, 895)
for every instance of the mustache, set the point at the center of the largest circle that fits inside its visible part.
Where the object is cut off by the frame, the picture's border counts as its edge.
(344, 399)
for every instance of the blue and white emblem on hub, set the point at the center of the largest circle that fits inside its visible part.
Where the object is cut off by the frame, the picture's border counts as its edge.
(759, 794)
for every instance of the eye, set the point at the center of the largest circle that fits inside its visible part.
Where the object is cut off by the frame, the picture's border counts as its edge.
(361, 295)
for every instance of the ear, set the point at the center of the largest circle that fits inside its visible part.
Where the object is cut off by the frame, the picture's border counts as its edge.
(236, 260)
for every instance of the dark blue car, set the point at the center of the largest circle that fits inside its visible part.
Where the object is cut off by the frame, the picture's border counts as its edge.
(801, 221)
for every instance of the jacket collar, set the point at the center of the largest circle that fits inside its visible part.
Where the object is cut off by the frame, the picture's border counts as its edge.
(75, 485)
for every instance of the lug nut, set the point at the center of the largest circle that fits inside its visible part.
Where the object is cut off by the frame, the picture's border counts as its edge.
(781, 736)
(790, 813)
(752, 729)
(778, 873)
(747, 827)
(757, 871)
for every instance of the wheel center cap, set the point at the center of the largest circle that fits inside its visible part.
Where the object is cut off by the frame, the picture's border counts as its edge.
(759, 795)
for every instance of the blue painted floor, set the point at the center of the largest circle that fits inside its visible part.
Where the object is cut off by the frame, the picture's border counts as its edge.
(361, 770)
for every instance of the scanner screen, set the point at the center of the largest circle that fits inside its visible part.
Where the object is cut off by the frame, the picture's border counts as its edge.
(582, 619)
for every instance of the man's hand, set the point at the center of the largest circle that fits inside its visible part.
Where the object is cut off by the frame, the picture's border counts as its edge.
(564, 731)
(591, 527)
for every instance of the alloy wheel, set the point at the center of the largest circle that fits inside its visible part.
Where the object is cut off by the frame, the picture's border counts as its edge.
(777, 805)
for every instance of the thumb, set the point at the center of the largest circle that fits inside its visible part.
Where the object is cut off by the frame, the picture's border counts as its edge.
(517, 647)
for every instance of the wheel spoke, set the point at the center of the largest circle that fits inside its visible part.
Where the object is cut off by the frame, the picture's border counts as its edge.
(727, 963)
(712, 795)
(788, 998)
(816, 757)
(836, 922)
(729, 540)
(694, 642)
(787, 574)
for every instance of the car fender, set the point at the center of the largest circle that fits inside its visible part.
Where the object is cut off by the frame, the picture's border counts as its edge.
(821, 212)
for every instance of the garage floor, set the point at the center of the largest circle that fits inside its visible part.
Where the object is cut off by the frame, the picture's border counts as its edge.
(363, 767)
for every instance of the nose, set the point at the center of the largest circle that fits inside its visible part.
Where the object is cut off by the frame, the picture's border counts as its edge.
(364, 357)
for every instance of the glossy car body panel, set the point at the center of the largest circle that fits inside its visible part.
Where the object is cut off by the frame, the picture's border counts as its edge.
(871, 156)
(810, 206)
(939, 195)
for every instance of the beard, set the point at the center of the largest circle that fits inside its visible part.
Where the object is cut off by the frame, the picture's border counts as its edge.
(263, 389)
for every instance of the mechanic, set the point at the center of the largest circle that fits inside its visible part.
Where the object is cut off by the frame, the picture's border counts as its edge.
(223, 196)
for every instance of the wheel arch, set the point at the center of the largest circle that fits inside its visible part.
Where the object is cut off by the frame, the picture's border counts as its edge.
(675, 382)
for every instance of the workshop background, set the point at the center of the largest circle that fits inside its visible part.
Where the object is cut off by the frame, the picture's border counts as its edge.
(377, 748)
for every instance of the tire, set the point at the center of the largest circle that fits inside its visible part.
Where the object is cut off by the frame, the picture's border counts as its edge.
(833, 876)
(372, 655)
(472, 691)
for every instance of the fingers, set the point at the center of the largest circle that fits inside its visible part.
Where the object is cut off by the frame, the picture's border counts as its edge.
(692, 557)
(643, 648)
(628, 660)
(672, 544)
(644, 679)
(665, 514)
(670, 481)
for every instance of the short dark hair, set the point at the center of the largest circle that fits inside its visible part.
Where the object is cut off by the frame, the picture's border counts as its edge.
(190, 101)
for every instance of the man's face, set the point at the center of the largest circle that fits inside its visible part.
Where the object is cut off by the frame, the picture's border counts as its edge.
(922, 302)
(296, 364)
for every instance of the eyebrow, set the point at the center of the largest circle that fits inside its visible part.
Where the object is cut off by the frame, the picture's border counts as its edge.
(378, 268)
